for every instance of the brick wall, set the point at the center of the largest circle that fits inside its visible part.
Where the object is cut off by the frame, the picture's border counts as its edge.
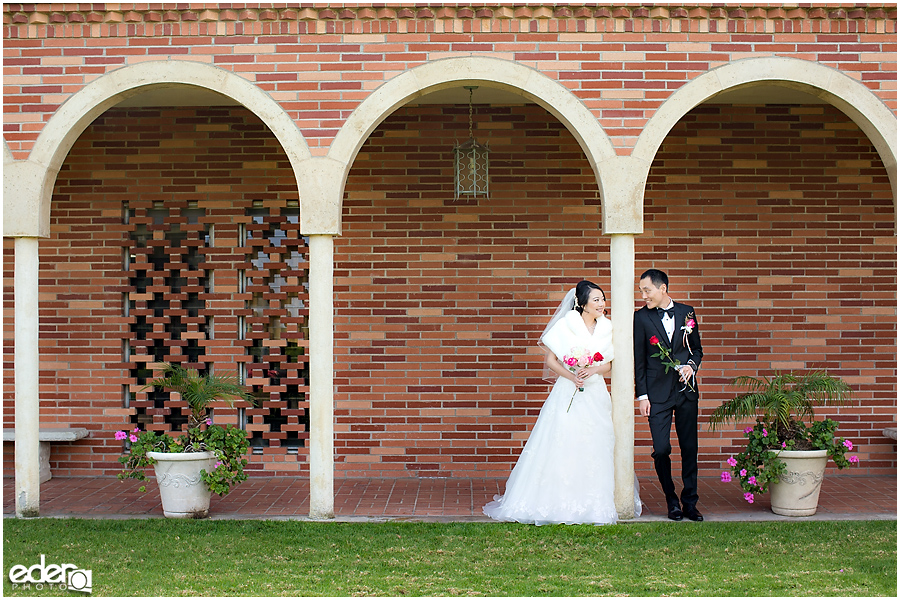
(188, 182)
(321, 62)
(775, 222)
(765, 218)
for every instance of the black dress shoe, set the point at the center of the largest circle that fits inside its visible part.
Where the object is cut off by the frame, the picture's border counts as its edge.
(675, 513)
(693, 514)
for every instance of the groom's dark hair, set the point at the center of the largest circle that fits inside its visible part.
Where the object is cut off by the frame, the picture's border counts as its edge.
(657, 277)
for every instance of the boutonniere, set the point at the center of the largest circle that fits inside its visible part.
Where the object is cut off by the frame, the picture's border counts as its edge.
(689, 324)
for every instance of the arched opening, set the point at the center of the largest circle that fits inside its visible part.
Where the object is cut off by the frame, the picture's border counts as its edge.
(439, 301)
(773, 211)
(174, 236)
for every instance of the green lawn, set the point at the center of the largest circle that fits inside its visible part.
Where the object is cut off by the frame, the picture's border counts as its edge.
(159, 557)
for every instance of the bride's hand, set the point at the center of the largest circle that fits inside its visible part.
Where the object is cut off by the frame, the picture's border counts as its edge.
(585, 372)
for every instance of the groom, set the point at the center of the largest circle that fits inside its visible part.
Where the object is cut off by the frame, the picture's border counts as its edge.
(670, 325)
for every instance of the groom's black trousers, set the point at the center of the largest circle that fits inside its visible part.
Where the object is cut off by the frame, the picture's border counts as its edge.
(684, 412)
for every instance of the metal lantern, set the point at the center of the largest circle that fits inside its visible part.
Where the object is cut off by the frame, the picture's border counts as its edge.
(470, 163)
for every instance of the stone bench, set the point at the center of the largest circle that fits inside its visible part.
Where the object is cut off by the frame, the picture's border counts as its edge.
(47, 436)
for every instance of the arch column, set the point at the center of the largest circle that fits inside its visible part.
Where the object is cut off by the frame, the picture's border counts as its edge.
(321, 184)
(26, 366)
(621, 259)
(321, 377)
(622, 180)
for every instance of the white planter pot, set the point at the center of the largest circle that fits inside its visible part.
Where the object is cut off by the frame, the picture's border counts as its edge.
(796, 494)
(182, 491)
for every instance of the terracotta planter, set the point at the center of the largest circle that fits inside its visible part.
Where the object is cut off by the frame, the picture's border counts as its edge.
(182, 491)
(797, 492)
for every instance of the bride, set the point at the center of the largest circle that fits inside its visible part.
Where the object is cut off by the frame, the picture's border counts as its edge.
(565, 472)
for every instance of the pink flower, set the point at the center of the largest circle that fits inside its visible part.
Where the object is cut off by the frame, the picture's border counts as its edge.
(784, 444)
(132, 438)
(752, 480)
(743, 472)
(218, 464)
(136, 430)
(691, 323)
(848, 444)
(748, 497)
(748, 430)
(571, 361)
(853, 459)
(765, 433)
(121, 435)
(731, 461)
(209, 421)
(726, 476)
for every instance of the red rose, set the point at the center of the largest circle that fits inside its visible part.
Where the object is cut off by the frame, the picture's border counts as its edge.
(597, 357)
(654, 340)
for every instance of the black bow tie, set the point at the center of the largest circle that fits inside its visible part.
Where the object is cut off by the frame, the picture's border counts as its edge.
(663, 312)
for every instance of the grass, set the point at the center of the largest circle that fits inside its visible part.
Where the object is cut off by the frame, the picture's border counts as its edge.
(159, 557)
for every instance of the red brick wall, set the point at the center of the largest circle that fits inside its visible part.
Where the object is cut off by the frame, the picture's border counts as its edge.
(321, 62)
(776, 223)
(764, 217)
(222, 161)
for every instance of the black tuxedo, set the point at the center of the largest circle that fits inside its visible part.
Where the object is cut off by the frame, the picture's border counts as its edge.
(664, 390)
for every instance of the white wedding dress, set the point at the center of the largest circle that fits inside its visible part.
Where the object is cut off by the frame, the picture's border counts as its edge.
(565, 472)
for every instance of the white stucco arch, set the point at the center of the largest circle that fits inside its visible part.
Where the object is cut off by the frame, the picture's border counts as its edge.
(28, 184)
(855, 100)
(482, 71)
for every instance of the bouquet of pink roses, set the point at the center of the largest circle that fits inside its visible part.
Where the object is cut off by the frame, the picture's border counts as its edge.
(577, 358)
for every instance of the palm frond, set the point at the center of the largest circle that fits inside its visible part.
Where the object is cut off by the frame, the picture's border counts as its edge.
(777, 400)
(200, 390)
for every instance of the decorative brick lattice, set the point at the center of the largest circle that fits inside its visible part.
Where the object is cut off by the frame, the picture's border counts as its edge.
(166, 302)
(173, 306)
(276, 326)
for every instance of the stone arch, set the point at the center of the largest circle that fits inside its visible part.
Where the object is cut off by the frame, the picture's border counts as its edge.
(473, 70)
(67, 124)
(855, 100)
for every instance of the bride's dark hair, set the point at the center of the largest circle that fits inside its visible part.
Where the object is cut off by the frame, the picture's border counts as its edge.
(583, 293)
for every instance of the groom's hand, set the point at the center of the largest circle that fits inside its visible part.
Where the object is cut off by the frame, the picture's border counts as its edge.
(685, 372)
(645, 408)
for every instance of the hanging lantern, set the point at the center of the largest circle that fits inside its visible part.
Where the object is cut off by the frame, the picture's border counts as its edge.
(470, 164)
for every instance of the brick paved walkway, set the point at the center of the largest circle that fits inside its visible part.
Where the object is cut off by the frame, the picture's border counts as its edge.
(842, 498)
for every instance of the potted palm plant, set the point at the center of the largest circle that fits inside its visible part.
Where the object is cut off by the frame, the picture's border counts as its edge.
(787, 449)
(190, 466)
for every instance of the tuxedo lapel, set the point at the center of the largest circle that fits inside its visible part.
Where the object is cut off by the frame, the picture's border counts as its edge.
(677, 336)
(660, 330)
